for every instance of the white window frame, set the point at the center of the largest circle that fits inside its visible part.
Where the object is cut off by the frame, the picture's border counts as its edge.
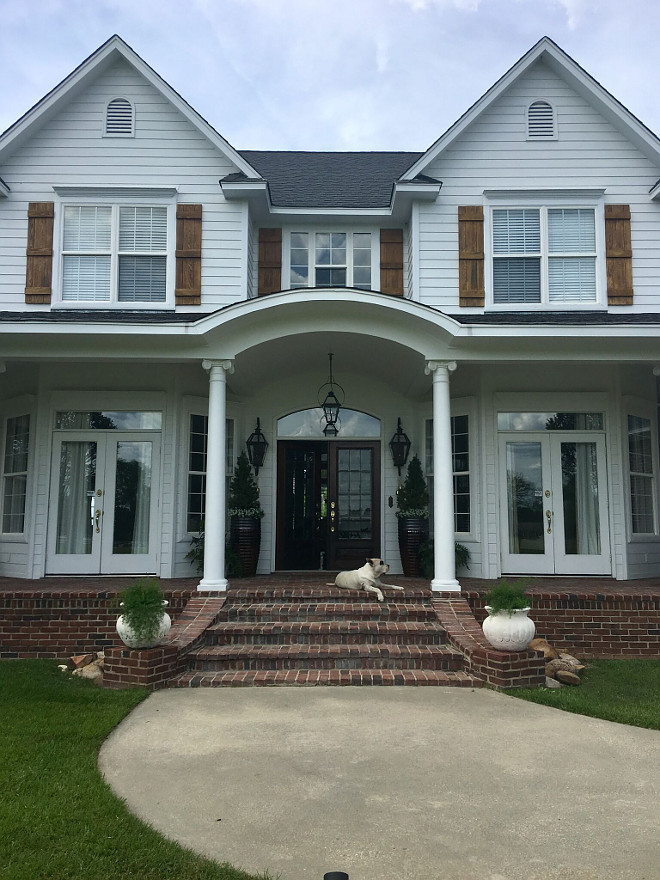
(23, 406)
(639, 408)
(311, 254)
(115, 198)
(543, 200)
(120, 134)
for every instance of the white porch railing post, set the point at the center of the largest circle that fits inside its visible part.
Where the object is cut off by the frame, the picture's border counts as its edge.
(214, 510)
(444, 574)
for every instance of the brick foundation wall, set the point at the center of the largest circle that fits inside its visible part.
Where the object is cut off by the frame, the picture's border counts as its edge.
(499, 669)
(56, 624)
(592, 626)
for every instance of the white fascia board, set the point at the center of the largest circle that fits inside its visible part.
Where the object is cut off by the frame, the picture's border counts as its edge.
(100, 60)
(256, 193)
(594, 331)
(654, 192)
(4, 189)
(569, 70)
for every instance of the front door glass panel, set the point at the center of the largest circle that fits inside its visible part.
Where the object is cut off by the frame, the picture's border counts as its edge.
(579, 476)
(525, 497)
(354, 499)
(132, 497)
(76, 498)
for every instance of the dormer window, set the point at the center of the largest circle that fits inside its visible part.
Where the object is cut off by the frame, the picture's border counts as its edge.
(119, 118)
(330, 259)
(541, 121)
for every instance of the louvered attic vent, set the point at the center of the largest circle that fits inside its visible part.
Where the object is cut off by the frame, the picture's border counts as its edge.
(540, 120)
(119, 117)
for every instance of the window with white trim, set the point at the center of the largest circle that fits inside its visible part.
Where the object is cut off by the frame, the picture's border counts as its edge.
(642, 483)
(15, 473)
(197, 449)
(119, 118)
(543, 255)
(460, 455)
(115, 254)
(330, 259)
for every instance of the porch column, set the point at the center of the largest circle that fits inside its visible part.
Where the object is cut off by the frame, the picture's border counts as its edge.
(444, 574)
(214, 510)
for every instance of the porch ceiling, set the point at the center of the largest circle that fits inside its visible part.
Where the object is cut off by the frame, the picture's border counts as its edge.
(305, 357)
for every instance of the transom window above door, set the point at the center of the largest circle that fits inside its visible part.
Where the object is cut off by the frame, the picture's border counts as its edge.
(330, 259)
(114, 254)
(543, 255)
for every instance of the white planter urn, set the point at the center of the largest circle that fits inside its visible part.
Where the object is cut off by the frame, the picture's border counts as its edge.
(509, 630)
(129, 638)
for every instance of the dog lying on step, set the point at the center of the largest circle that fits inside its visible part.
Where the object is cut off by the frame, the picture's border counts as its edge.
(365, 578)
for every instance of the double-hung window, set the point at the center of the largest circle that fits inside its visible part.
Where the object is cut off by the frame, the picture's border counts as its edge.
(115, 254)
(330, 259)
(15, 474)
(544, 255)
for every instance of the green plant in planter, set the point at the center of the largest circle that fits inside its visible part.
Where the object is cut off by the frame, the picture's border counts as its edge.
(142, 607)
(243, 491)
(507, 596)
(413, 497)
(195, 555)
(427, 559)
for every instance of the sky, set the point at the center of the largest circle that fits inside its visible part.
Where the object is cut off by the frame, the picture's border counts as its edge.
(345, 75)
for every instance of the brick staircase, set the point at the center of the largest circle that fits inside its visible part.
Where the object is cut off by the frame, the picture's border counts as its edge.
(324, 636)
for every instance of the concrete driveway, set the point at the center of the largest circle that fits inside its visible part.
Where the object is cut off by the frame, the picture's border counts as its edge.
(392, 784)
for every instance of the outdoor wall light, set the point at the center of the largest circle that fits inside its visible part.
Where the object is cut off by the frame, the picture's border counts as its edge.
(400, 447)
(256, 448)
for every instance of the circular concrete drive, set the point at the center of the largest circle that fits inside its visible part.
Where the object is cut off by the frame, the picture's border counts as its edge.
(392, 784)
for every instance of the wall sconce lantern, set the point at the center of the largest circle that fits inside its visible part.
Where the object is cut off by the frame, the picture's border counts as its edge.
(334, 399)
(256, 448)
(400, 447)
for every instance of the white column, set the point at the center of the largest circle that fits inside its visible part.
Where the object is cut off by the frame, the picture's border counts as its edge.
(444, 575)
(214, 510)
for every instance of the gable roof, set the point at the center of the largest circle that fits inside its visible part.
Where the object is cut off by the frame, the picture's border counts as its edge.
(330, 180)
(571, 72)
(106, 55)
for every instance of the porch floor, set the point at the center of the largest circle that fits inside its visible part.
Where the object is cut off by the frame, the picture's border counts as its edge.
(547, 586)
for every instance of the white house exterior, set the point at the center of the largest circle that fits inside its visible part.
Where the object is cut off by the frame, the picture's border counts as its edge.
(161, 291)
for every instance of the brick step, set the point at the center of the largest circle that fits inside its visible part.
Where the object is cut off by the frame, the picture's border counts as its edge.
(325, 677)
(316, 611)
(321, 594)
(337, 632)
(282, 657)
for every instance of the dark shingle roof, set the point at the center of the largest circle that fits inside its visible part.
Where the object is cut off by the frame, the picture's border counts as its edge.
(330, 180)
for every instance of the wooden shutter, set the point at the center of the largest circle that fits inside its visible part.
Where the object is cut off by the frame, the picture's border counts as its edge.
(391, 261)
(618, 253)
(188, 284)
(39, 270)
(471, 256)
(270, 261)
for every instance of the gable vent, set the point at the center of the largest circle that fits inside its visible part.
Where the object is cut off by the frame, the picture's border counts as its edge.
(119, 117)
(540, 120)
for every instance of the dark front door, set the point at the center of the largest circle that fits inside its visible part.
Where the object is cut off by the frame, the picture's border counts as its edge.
(328, 507)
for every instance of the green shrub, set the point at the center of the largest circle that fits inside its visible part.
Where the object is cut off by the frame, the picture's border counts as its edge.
(412, 499)
(507, 596)
(142, 607)
(427, 558)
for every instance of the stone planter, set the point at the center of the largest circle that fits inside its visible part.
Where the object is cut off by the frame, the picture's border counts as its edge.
(245, 541)
(129, 638)
(509, 630)
(413, 532)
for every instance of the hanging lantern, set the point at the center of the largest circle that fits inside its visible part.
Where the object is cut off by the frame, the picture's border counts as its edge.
(400, 447)
(331, 404)
(256, 448)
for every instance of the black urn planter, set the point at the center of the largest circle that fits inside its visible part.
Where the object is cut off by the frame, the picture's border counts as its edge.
(245, 541)
(413, 532)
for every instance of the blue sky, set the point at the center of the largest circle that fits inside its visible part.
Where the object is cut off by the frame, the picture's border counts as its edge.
(346, 75)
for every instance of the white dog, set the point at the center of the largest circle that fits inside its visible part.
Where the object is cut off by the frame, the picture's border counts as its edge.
(365, 578)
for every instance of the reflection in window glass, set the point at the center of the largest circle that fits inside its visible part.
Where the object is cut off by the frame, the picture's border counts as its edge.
(109, 421)
(310, 423)
(550, 421)
(640, 462)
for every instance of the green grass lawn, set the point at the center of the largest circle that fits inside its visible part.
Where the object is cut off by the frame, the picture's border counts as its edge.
(627, 691)
(58, 818)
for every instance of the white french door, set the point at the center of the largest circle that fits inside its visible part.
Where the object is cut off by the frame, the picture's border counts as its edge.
(103, 503)
(554, 503)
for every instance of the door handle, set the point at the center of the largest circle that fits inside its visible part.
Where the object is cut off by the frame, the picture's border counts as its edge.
(333, 514)
(98, 519)
(548, 514)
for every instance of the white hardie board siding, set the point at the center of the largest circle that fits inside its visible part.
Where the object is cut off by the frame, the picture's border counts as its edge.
(167, 150)
(493, 153)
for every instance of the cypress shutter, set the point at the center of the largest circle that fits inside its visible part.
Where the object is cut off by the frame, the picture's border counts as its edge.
(39, 269)
(188, 284)
(471, 256)
(270, 261)
(391, 261)
(618, 253)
